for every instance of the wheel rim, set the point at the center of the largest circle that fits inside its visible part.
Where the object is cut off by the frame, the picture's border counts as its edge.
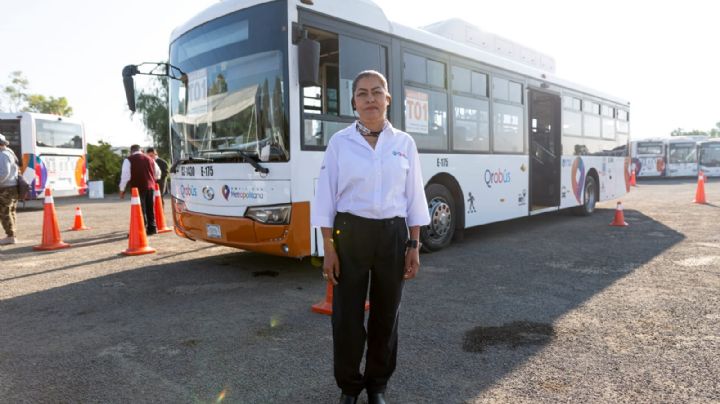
(590, 197)
(440, 218)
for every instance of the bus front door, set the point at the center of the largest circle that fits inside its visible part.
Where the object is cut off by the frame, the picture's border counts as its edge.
(545, 149)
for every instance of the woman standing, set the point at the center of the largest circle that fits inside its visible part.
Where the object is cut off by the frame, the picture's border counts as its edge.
(370, 196)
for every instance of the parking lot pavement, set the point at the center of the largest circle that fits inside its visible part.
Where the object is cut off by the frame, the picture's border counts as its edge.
(552, 308)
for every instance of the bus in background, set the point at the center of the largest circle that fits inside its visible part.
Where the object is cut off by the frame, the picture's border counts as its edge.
(709, 157)
(648, 158)
(682, 157)
(263, 85)
(51, 150)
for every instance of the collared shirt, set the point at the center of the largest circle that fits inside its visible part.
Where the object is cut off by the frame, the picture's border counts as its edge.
(372, 183)
(125, 172)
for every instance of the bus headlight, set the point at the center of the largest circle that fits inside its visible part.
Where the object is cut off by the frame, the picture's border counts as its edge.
(270, 214)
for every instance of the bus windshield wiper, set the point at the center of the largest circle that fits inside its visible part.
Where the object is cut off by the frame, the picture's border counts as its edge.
(248, 158)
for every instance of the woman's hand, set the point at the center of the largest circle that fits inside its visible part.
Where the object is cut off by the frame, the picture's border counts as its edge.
(412, 262)
(331, 265)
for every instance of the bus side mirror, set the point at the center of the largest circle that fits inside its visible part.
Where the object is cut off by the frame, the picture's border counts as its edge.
(129, 83)
(309, 62)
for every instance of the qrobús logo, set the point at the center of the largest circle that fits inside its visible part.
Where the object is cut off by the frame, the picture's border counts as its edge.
(496, 177)
(186, 191)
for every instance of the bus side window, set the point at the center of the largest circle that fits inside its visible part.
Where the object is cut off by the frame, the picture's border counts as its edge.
(324, 99)
(357, 55)
(327, 108)
(11, 129)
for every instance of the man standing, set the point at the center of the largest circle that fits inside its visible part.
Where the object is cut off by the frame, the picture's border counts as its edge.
(164, 168)
(140, 171)
(8, 191)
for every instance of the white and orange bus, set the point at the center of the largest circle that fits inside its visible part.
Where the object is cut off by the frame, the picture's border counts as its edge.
(51, 149)
(263, 85)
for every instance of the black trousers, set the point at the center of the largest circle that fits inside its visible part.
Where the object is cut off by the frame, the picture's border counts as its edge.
(370, 252)
(147, 202)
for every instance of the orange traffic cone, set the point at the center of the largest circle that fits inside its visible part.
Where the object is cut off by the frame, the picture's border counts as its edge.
(633, 181)
(700, 192)
(619, 216)
(51, 232)
(159, 213)
(79, 224)
(137, 240)
(325, 307)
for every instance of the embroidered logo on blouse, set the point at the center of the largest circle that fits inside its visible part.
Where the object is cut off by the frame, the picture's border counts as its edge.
(399, 153)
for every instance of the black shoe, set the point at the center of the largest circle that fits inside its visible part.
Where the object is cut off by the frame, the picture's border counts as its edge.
(151, 232)
(346, 399)
(376, 398)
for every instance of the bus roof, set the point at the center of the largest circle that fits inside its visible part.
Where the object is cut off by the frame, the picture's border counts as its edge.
(38, 115)
(686, 139)
(650, 140)
(442, 35)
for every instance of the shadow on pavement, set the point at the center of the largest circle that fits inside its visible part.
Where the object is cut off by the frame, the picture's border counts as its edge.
(189, 331)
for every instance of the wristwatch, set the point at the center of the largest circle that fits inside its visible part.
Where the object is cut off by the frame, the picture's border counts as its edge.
(412, 244)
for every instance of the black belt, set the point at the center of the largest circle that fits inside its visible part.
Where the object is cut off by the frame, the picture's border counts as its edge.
(360, 219)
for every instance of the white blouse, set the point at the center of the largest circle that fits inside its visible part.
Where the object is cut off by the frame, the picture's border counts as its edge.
(372, 183)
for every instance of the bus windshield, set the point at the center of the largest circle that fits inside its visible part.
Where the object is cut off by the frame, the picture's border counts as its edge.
(682, 153)
(234, 102)
(710, 155)
(648, 148)
(58, 134)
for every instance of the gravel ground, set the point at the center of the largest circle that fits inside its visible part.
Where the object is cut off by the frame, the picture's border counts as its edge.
(552, 308)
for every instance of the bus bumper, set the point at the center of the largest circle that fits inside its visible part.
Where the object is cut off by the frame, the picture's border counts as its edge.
(290, 240)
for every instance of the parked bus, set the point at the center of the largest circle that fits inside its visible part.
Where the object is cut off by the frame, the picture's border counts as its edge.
(51, 150)
(648, 157)
(263, 85)
(682, 156)
(709, 157)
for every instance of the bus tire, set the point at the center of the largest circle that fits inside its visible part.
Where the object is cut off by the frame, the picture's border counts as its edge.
(589, 198)
(439, 233)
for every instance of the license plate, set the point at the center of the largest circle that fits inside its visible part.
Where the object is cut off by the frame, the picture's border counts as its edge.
(213, 231)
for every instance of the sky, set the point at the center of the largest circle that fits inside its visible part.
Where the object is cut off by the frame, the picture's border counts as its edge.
(662, 57)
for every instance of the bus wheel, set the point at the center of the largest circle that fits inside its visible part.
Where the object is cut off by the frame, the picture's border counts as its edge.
(589, 198)
(438, 234)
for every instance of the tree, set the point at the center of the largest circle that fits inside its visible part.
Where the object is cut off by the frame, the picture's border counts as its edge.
(16, 91)
(18, 98)
(715, 132)
(152, 105)
(104, 165)
(52, 105)
(677, 132)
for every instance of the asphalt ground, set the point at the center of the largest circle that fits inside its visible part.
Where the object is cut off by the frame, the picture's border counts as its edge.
(552, 308)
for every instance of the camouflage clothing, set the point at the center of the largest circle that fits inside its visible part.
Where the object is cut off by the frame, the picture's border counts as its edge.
(8, 206)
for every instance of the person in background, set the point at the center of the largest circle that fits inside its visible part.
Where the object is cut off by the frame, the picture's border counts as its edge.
(370, 204)
(164, 168)
(140, 171)
(8, 191)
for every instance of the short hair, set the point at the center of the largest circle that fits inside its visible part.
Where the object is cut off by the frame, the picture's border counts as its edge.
(150, 150)
(369, 73)
(134, 148)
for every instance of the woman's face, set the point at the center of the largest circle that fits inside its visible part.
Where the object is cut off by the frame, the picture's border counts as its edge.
(371, 99)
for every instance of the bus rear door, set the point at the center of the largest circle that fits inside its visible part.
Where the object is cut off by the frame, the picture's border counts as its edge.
(545, 150)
